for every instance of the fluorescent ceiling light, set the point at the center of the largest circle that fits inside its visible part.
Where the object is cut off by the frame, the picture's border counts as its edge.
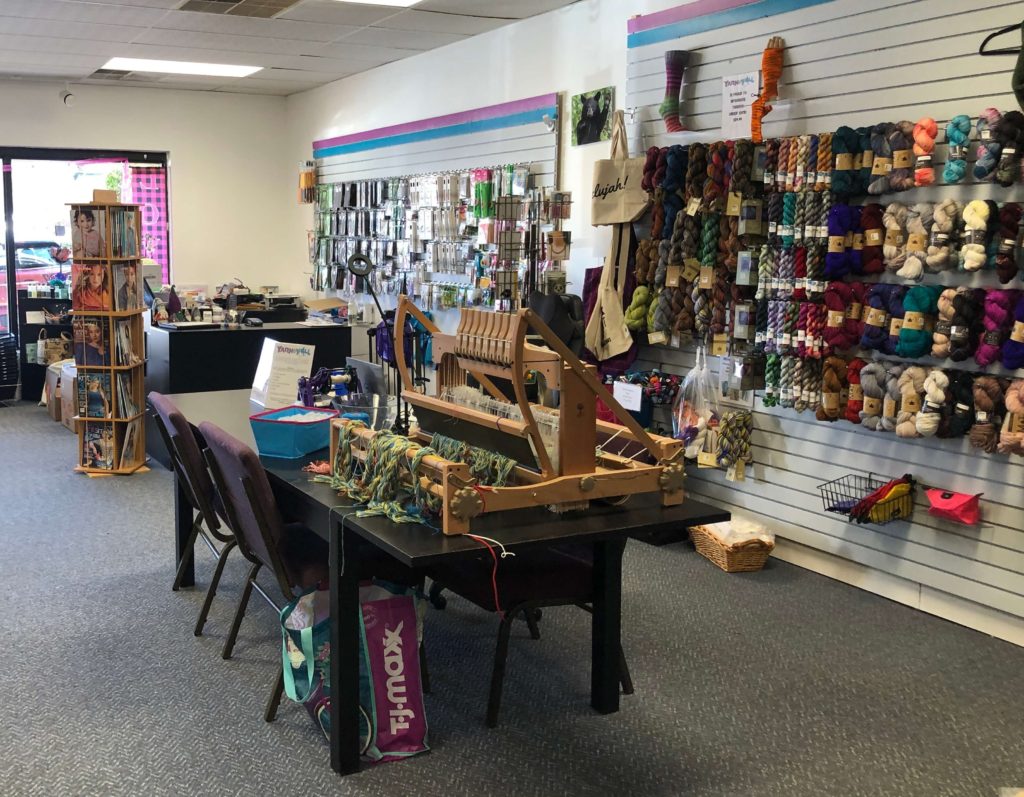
(180, 67)
(395, 3)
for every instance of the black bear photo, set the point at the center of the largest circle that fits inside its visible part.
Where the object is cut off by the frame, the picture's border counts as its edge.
(591, 116)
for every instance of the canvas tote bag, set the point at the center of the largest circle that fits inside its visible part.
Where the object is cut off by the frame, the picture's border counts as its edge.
(618, 196)
(606, 333)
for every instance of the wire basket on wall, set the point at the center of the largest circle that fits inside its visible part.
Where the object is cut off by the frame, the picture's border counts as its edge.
(843, 496)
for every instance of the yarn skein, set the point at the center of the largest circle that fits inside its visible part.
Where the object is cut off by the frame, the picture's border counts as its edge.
(881, 167)
(1009, 132)
(928, 420)
(965, 324)
(893, 394)
(988, 403)
(1011, 442)
(896, 311)
(973, 252)
(995, 321)
(872, 383)
(989, 148)
(944, 322)
(855, 400)
(925, 133)
(920, 302)
(845, 175)
(911, 383)
(919, 226)
(958, 136)
(837, 258)
(856, 250)
(1009, 223)
(1013, 348)
(961, 392)
(901, 144)
(866, 160)
(871, 221)
(945, 217)
(833, 380)
(895, 221)
(876, 321)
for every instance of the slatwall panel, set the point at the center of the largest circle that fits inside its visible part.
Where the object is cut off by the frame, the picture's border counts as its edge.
(861, 62)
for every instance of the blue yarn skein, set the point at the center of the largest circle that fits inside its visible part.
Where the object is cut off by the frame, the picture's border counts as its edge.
(675, 173)
(914, 343)
(989, 148)
(837, 264)
(958, 134)
(874, 337)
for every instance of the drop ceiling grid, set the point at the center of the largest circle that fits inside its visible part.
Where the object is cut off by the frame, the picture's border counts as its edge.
(311, 44)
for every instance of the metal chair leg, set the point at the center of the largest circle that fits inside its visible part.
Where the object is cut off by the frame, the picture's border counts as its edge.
(531, 616)
(624, 677)
(189, 555)
(243, 602)
(275, 697)
(214, 583)
(498, 674)
(424, 672)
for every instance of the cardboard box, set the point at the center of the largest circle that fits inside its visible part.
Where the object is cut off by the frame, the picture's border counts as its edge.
(68, 394)
(100, 195)
(51, 390)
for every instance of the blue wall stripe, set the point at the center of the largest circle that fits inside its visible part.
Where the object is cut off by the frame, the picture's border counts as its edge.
(497, 123)
(722, 19)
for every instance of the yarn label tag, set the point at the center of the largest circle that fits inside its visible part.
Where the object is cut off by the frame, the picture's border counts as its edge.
(866, 158)
(889, 407)
(830, 401)
(902, 158)
(911, 403)
(944, 328)
(707, 278)
(844, 161)
(1007, 244)
(786, 230)
(656, 338)
(924, 161)
(881, 166)
(769, 177)
(913, 320)
(938, 238)
(981, 416)
(1009, 152)
(957, 333)
(720, 345)
(872, 406)
(837, 244)
(737, 472)
(858, 241)
(916, 242)
(844, 395)
(672, 274)
(691, 268)
(957, 152)
(985, 134)
(873, 237)
(856, 392)
(875, 317)
(773, 227)
(812, 178)
(1017, 333)
(854, 311)
(835, 319)
(693, 206)
(895, 326)
(975, 236)
(733, 205)
(1015, 420)
(994, 337)
(894, 238)
(707, 459)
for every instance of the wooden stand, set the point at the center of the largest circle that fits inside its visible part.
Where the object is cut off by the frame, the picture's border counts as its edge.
(109, 346)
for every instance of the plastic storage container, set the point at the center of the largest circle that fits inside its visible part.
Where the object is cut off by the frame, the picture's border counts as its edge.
(277, 436)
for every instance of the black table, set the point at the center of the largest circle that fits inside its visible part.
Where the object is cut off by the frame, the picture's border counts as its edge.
(607, 528)
(201, 360)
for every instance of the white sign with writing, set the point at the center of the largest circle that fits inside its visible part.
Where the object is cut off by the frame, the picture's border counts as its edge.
(738, 94)
(276, 383)
(628, 395)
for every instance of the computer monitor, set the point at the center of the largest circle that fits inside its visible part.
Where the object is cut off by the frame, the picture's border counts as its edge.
(371, 380)
(147, 293)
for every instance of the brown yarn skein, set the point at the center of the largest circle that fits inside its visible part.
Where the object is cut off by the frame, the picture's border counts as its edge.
(988, 402)
(833, 379)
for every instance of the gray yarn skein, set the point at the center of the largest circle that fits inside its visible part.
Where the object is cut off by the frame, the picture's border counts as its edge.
(872, 382)
(893, 391)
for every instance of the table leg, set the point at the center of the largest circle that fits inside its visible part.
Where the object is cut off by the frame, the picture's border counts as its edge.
(605, 638)
(344, 568)
(183, 520)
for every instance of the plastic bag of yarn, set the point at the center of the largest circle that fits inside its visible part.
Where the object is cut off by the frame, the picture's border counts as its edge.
(958, 507)
(695, 407)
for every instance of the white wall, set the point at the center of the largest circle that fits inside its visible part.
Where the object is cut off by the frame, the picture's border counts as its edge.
(230, 184)
(575, 49)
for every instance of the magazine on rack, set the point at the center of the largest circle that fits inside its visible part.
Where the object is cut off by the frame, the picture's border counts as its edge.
(123, 348)
(123, 235)
(127, 287)
(126, 407)
(91, 344)
(98, 446)
(129, 448)
(94, 397)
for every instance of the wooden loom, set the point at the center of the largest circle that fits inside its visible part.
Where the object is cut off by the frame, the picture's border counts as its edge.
(490, 344)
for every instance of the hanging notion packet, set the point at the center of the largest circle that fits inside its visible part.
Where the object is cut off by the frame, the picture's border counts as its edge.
(958, 507)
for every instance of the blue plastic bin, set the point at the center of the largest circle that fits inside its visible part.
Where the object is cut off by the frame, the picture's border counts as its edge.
(276, 436)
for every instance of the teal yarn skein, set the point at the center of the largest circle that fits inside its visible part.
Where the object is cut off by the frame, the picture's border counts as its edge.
(921, 299)
(958, 136)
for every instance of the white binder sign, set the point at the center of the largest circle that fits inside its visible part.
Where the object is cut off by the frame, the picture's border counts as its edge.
(276, 383)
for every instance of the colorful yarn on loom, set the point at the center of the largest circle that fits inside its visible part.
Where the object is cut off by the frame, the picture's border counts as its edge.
(1009, 132)
(919, 225)
(901, 143)
(833, 381)
(995, 321)
(872, 382)
(881, 162)
(958, 136)
(893, 247)
(925, 133)
(1009, 223)
(965, 324)
(973, 251)
(988, 405)
(945, 218)
(855, 401)
(1013, 348)
(845, 175)
(1011, 441)
(919, 304)
(928, 420)
(943, 322)
(911, 385)
(988, 147)
(871, 223)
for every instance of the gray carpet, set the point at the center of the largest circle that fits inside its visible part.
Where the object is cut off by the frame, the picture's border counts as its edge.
(777, 683)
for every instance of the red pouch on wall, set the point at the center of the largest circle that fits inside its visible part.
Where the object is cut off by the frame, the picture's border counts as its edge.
(958, 507)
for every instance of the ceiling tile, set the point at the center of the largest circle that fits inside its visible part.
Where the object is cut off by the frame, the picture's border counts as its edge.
(335, 13)
(44, 44)
(441, 23)
(511, 9)
(252, 26)
(402, 39)
(70, 11)
(58, 30)
(364, 52)
(224, 43)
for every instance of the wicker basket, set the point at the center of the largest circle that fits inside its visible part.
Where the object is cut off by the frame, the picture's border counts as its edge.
(743, 557)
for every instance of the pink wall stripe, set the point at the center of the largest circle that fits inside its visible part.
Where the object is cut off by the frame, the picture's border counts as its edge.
(699, 8)
(475, 115)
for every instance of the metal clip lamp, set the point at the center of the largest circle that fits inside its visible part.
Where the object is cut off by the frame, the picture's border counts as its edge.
(360, 265)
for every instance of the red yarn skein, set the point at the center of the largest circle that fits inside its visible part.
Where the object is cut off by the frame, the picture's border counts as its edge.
(855, 403)
(871, 222)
